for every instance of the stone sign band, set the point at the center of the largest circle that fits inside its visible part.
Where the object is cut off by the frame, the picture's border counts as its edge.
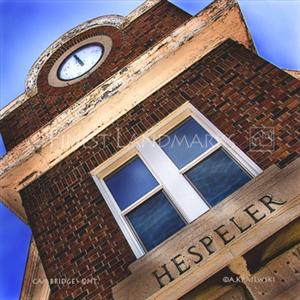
(252, 214)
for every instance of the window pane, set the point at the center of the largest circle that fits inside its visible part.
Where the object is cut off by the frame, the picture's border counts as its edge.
(217, 176)
(2, 147)
(130, 183)
(186, 142)
(155, 220)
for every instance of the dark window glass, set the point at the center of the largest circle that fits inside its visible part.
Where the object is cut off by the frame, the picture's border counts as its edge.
(155, 220)
(217, 176)
(186, 142)
(2, 147)
(130, 183)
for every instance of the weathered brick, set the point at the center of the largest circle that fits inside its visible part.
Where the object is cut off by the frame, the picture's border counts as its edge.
(88, 222)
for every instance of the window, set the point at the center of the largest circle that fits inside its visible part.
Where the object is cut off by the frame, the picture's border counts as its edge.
(2, 147)
(217, 176)
(130, 183)
(170, 177)
(186, 142)
(143, 203)
(155, 220)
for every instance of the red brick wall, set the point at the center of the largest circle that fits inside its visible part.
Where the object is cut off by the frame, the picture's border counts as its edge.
(74, 230)
(139, 36)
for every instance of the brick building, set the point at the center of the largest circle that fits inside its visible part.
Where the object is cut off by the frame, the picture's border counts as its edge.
(155, 157)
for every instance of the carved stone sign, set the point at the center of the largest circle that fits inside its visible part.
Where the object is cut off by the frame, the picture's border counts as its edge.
(253, 215)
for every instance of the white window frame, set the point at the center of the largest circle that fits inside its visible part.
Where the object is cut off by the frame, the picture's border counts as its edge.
(171, 180)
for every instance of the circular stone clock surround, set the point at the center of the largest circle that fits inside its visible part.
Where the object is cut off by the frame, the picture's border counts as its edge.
(113, 21)
(106, 43)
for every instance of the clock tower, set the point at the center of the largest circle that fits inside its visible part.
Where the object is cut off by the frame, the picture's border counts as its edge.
(155, 156)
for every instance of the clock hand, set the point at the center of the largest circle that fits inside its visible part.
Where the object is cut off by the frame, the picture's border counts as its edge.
(78, 60)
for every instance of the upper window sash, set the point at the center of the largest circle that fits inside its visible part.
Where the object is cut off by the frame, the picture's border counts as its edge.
(222, 140)
(186, 142)
(131, 182)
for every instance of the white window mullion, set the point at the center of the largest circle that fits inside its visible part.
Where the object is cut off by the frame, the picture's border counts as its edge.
(185, 198)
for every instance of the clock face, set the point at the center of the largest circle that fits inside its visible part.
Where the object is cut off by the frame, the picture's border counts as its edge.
(80, 61)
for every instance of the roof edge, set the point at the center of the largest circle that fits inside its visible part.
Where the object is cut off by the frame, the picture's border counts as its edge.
(294, 73)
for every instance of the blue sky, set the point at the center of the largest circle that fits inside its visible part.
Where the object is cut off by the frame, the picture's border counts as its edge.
(28, 27)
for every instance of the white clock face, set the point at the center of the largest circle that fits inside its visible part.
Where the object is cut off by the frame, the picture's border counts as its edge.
(80, 61)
